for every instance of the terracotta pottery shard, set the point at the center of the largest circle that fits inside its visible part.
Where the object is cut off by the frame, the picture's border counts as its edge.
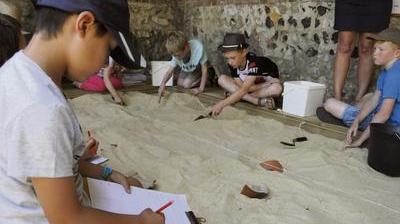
(255, 191)
(272, 165)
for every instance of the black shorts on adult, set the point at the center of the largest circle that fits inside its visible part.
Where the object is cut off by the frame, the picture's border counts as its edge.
(362, 15)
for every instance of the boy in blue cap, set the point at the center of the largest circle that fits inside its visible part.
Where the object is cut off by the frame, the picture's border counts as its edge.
(381, 106)
(41, 144)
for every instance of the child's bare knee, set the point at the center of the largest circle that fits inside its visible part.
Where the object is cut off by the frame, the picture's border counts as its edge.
(329, 103)
(187, 84)
(276, 89)
(222, 79)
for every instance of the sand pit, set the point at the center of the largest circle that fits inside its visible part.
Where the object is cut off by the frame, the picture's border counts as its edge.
(210, 160)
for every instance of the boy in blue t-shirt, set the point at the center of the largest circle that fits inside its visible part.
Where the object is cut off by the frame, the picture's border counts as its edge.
(191, 58)
(384, 104)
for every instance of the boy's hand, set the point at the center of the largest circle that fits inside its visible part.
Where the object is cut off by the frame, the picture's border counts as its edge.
(217, 109)
(161, 90)
(134, 182)
(150, 217)
(355, 144)
(90, 148)
(197, 91)
(352, 132)
(119, 178)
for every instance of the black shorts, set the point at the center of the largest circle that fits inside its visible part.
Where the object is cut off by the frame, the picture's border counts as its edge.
(362, 15)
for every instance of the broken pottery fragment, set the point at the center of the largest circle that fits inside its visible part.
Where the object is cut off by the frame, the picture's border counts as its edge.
(255, 191)
(272, 165)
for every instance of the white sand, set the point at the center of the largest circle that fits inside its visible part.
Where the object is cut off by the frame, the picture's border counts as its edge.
(211, 160)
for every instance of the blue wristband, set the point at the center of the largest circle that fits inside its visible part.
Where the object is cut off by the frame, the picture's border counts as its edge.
(106, 173)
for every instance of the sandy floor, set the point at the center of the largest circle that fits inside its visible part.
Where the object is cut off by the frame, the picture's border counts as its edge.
(212, 159)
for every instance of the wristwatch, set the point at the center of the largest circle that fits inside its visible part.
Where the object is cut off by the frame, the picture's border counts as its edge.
(106, 173)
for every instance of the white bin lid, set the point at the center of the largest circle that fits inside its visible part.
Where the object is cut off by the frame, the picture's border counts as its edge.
(304, 85)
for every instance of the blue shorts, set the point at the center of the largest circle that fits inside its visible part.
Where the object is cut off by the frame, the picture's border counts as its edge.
(350, 114)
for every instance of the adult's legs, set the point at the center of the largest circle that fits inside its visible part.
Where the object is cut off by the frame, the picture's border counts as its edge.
(365, 65)
(345, 47)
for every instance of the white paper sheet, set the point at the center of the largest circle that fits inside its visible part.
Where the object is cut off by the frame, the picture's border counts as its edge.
(112, 197)
(99, 160)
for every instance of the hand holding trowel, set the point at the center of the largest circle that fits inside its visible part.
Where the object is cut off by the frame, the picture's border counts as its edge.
(209, 115)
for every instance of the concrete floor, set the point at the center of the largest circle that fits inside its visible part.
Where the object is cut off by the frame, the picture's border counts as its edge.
(212, 95)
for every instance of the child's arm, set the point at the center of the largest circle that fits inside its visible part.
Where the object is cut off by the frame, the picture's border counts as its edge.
(107, 82)
(366, 109)
(164, 81)
(235, 97)
(58, 199)
(370, 104)
(381, 117)
(88, 169)
(385, 111)
(203, 82)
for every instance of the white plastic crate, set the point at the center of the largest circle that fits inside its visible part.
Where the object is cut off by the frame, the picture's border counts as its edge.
(302, 98)
(158, 70)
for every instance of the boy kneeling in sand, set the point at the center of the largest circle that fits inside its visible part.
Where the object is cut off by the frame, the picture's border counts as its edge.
(188, 64)
(41, 144)
(254, 79)
(382, 106)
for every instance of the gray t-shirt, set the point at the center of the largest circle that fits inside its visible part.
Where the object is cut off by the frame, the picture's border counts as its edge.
(198, 56)
(39, 137)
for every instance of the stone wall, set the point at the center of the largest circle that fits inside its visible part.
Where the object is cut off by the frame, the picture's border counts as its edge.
(297, 35)
(27, 13)
(151, 21)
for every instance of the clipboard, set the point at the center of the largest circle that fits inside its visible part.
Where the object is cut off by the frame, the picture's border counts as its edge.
(111, 197)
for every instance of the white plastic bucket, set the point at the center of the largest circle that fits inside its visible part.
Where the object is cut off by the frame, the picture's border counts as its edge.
(158, 70)
(396, 7)
(302, 98)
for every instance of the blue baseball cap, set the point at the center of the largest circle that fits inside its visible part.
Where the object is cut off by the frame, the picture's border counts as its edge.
(114, 15)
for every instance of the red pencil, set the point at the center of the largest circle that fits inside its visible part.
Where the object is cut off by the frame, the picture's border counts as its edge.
(93, 150)
(165, 206)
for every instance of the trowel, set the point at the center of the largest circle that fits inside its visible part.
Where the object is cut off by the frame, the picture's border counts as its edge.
(203, 116)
